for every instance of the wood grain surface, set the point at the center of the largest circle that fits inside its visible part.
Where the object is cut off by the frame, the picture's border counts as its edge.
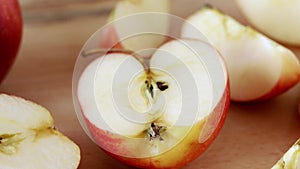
(254, 136)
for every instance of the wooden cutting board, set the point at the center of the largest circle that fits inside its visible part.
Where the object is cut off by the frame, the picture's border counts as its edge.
(255, 135)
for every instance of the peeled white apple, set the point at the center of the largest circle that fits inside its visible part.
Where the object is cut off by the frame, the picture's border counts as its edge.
(278, 19)
(258, 67)
(28, 139)
(159, 116)
(291, 159)
(136, 25)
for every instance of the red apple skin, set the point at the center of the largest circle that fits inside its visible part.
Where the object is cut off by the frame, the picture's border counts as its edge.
(181, 155)
(286, 81)
(282, 86)
(10, 34)
(290, 76)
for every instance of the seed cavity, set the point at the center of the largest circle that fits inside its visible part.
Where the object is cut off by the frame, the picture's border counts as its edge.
(150, 88)
(155, 131)
(8, 143)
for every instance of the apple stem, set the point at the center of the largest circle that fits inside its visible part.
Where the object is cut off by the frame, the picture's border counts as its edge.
(117, 50)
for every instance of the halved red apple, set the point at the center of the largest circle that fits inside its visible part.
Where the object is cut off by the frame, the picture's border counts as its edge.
(161, 115)
(258, 67)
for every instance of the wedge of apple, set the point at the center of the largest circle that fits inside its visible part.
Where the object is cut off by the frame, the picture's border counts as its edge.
(29, 140)
(258, 67)
(291, 159)
(161, 115)
(144, 27)
(277, 19)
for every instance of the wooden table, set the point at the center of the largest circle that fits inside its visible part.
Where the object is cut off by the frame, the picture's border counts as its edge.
(255, 135)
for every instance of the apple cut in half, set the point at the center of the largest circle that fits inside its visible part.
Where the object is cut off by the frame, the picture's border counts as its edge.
(291, 159)
(278, 19)
(136, 21)
(161, 113)
(258, 67)
(28, 139)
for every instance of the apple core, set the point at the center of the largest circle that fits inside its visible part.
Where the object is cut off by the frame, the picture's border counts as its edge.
(150, 104)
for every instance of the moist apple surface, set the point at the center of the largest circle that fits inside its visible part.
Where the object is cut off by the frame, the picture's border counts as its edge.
(277, 19)
(29, 140)
(250, 56)
(120, 96)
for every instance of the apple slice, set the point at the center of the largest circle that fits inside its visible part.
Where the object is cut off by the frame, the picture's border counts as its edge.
(291, 159)
(258, 67)
(149, 27)
(29, 140)
(159, 116)
(277, 19)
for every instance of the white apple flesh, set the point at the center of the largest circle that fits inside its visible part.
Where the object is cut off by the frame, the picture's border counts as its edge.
(147, 26)
(158, 116)
(278, 19)
(258, 67)
(291, 159)
(29, 140)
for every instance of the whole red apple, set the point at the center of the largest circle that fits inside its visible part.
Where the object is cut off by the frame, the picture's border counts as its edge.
(10, 34)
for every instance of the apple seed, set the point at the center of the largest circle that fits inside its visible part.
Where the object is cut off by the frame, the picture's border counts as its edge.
(162, 86)
(149, 87)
